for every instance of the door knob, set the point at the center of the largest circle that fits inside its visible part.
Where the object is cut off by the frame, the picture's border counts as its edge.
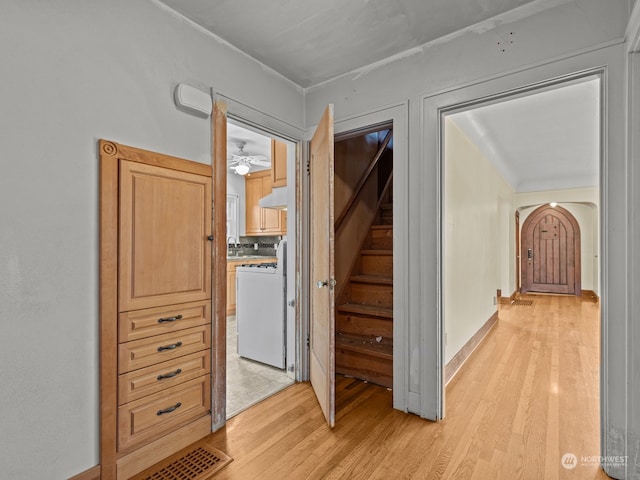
(322, 283)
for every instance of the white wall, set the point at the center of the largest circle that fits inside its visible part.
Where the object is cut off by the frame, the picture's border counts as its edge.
(472, 246)
(570, 37)
(586, 213)
(74, 72)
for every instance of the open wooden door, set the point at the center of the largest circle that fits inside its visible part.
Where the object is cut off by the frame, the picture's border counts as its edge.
(322, 269)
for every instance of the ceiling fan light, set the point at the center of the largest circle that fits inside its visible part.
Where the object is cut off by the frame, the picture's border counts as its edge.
(242, 169)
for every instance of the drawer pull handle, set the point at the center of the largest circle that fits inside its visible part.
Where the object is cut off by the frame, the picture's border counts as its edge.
(170, 409)
(169, 347)
(169, 375)
(169, 319)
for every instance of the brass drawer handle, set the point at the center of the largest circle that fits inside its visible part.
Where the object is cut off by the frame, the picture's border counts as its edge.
(169, 375)
(169, 319)
(170, 409)
(169, 347)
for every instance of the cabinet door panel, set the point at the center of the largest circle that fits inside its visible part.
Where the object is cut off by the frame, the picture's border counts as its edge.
(165, 220)
(253, 193)
(270, 217)
(278, 163)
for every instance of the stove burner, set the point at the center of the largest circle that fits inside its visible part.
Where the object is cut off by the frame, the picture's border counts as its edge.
(260, 265)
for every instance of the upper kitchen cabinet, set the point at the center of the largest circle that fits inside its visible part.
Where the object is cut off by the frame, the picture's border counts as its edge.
(262, 221)
(278, 164)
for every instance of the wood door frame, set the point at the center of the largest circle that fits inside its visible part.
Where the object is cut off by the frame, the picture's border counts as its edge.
(226, 108)
(403, 398)
(531, 220)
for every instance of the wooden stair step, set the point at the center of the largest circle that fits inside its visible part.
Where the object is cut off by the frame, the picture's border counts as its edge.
(372, 279)
(386, 206)
(371, 294)
(382, 227)
(366, 310)
(385, 252)
(365, 345)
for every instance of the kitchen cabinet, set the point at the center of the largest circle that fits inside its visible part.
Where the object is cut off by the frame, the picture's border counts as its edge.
(155, 307)
(231, 278)
(262, 221)
(278, 164)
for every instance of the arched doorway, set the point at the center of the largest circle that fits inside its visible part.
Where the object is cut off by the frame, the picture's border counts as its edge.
(550, 254)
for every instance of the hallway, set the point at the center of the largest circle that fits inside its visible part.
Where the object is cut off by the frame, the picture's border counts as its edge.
(527, 396)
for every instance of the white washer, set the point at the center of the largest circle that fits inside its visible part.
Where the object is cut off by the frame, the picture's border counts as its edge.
(260, 311)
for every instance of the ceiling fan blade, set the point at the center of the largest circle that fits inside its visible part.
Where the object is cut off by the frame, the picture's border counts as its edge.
(261, 163)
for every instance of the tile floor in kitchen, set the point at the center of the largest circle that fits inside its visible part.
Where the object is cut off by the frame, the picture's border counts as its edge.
(248, 382)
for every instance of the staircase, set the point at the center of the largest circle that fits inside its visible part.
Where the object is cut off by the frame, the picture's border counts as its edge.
(364, 316)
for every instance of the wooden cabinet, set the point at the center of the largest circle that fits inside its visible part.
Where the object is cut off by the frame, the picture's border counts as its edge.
(231, 278)
(262, 221)
(231, 286)
(155, 311)
(278, 164)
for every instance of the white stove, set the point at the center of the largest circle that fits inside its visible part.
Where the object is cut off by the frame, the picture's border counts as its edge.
(260, 310)
(261, 267)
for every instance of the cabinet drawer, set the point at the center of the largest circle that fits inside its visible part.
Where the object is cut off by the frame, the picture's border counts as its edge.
(144, 420)
(156, 378)
(156, 321)
(149, 351)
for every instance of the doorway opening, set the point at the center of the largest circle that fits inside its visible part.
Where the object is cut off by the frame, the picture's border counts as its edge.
(504, 159)
(363, 194)
(260, 327)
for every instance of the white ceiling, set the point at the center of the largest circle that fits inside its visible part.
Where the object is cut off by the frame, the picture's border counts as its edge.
(544, 142)
(312, 41)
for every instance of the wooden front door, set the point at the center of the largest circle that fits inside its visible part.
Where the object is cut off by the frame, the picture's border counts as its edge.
(322, 269)
(550, 254)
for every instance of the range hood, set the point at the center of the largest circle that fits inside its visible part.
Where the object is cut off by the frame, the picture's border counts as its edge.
(277, 199)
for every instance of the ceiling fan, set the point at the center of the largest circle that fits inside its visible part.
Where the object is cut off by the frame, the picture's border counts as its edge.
(241, 161)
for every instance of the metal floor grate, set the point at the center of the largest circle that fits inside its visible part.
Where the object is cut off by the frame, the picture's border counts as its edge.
(522, 303)
(198, 463)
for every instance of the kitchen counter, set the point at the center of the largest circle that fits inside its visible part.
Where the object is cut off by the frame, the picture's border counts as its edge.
(251, 257)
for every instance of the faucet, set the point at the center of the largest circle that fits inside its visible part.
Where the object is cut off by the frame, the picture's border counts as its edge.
(235, 242)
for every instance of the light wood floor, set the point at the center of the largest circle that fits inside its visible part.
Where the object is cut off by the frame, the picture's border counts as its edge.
(528, 395)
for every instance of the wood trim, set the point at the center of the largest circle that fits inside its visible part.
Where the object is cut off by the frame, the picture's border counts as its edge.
(517, 229)
(591, 294)
(91, 474)
(108, 307)
(219, 265)
(139, 155)
(152, 453)
(363, 179)
(507, 300)
(451, 368)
